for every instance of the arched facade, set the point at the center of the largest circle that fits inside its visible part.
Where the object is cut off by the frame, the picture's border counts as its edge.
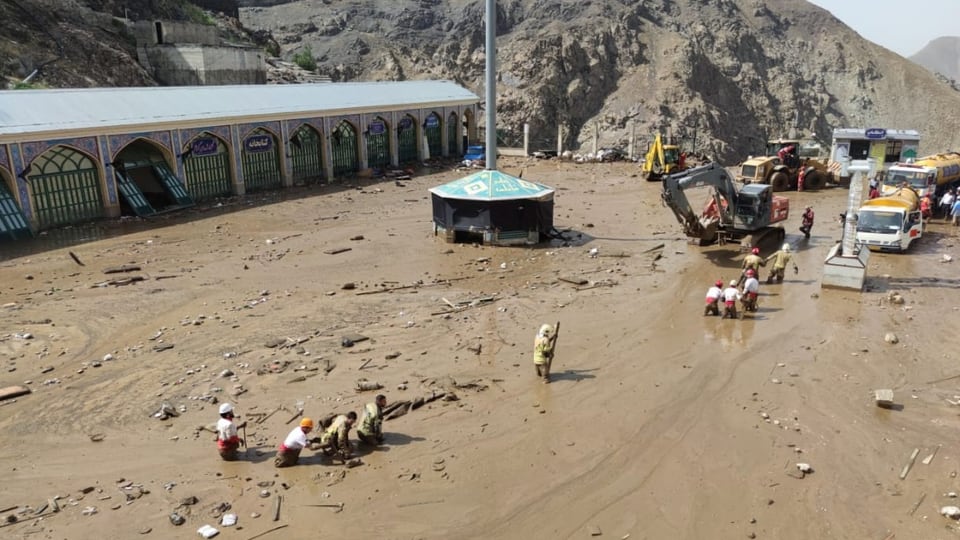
(377, 137)
(306, 155)
(344, 149)
(469, 128)
(13, 224)
(144, 172)
(433, 131)
(453, 135)
(259, 153)
(65, 187)
(407, 141)
(206, 166)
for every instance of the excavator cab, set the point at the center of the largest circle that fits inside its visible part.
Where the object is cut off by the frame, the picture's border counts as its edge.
(671, 158)
(753, 206)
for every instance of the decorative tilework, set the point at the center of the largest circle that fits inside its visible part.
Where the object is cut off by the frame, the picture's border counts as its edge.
(17, 157)
(186, 135)
(4, 161)
(118, 142)
(85, 144)
(294, 125)
(237, 166)
(245, 129)
(109, 176)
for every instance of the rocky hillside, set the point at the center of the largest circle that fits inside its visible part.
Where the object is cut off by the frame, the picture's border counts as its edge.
(728, 72)
(942, 56)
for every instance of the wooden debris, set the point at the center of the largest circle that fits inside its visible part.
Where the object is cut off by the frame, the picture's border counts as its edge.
(356, 338)
(298, 414)
(118, 282)
(365, 362)
(574, 281)
(403, 409)
(11, 392)
(928, 459)
(75, 258)
(654, 248)
(163, 347)
(914, 509)
(276, 507)
(421, 503)
(367, 386)
(906, 468)
(122, 269)
(268, 531)
(335, 251)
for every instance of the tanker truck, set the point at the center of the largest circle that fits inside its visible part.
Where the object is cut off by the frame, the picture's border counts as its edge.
(891, 222)
(930, 175)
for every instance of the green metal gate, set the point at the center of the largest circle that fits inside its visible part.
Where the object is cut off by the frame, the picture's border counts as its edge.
(171, 183)
(452, 129)
(131, 193)
(12, 223)
(65, 187)
(378, 144)
(306, 152)
(407, 140)
(261, 164)
(344, 148)
(434, 132)
(207, 174)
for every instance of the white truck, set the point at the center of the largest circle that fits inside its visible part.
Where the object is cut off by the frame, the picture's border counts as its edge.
(890, 223)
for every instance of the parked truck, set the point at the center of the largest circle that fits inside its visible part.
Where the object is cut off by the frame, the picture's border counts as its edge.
(891, 222)
(930, 175)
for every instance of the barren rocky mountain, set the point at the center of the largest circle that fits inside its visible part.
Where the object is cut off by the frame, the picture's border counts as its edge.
(942, 56)
(721, 74)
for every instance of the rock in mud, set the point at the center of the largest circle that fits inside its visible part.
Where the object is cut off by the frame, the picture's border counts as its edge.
(891, 338)
(177, 519)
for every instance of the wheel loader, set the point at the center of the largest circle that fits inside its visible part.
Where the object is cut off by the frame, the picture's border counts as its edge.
(662, 159)
(783, 174)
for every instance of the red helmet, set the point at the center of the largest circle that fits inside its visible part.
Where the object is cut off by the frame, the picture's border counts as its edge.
(755, 251)
(750, 272)
(719, 283)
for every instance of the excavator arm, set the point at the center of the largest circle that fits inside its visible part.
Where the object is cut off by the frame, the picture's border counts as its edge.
(654, 162)
(694, 224)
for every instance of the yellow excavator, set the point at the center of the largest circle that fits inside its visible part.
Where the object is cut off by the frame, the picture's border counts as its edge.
(662, 159)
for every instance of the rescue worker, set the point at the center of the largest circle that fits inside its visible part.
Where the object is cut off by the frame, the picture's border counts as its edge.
(713, 299)
(801, 175)
(228, 441)
(730, 296)
(543, 352)
(751, 290)
(289, 452)
(806, 223)
(787, 155)
(753, 261)
(926, 207)
(335, 440)
(780, 260)
(371, 423)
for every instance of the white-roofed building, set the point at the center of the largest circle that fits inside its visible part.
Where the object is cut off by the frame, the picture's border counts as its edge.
(75, 155)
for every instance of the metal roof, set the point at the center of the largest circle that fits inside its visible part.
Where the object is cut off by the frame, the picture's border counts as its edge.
(79, 109)
(492, 186)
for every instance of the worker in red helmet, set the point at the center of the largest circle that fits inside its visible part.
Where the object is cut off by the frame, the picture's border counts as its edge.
(751, 290)
(713, 299)
(753, 261)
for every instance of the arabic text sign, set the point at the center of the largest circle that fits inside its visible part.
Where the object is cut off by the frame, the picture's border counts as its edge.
(258, 143)
(876, 133)
(204, 146)
(432, 121)
(376, 127)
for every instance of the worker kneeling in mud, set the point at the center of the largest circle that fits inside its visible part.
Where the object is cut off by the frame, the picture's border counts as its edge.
(371, 423)
(780, 260)
(289, 452)
(713, 299)
(228, 440)
(335, 440)
(751, 290)
(730, 296)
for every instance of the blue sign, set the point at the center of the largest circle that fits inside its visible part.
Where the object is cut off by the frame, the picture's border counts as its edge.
(376, 127)
(203, 146)
(405, 123)
(876, 133)
(432, 121)
(258, 143)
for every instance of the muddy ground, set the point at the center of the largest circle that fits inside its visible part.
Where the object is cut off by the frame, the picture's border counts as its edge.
(660, 423)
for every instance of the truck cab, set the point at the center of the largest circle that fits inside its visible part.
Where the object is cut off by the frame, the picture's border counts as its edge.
(921, 179)
(890, 223)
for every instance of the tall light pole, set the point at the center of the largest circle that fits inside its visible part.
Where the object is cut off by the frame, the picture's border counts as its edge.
(491, 68)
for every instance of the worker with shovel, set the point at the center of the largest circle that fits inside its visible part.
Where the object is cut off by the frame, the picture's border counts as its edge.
(228, 440)
(543, 347)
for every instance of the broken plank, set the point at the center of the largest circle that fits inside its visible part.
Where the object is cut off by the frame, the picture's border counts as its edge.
(122, 269)
(654, 248)
(356, 338)
(11, 392)
(335, 251)
(906, 468)
(914, 509)
(387, 289)
(928, 459)
(574, 281)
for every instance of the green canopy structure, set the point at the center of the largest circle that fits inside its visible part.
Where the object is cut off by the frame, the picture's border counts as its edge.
(493, 207)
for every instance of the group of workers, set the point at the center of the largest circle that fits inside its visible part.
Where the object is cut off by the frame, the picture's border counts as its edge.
(334, 440)
(750, 277)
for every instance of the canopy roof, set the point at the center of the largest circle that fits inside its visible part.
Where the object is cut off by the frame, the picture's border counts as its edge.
(492, 186)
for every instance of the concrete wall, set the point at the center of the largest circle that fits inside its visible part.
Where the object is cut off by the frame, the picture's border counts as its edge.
(147, 33)
(189, 65)
(227, 7)
(262, 3)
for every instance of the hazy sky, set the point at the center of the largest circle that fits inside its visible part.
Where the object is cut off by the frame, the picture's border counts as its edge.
(903, 26)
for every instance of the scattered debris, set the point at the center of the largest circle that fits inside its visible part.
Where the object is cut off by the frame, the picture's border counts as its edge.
(336, 251)
(364, 385)
(884, 398)
(906, 468)
(928, 459)
(166, 411)
(11, 392)
(951, 512)
(75, 258)
(891, 338)
(122, 269)
(207, 531)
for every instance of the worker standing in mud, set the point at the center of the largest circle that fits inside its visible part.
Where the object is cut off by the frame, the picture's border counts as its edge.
(753, 261)
(806, 221)
(713, 299)
(780, 259)
(335, 440)
(296, 441)
(730, 296)
(371, 423)
(751, 290)
(543, 352)
(228, 440)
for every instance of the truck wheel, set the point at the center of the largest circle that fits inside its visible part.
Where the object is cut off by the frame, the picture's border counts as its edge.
(813, 180)
(779, 181)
